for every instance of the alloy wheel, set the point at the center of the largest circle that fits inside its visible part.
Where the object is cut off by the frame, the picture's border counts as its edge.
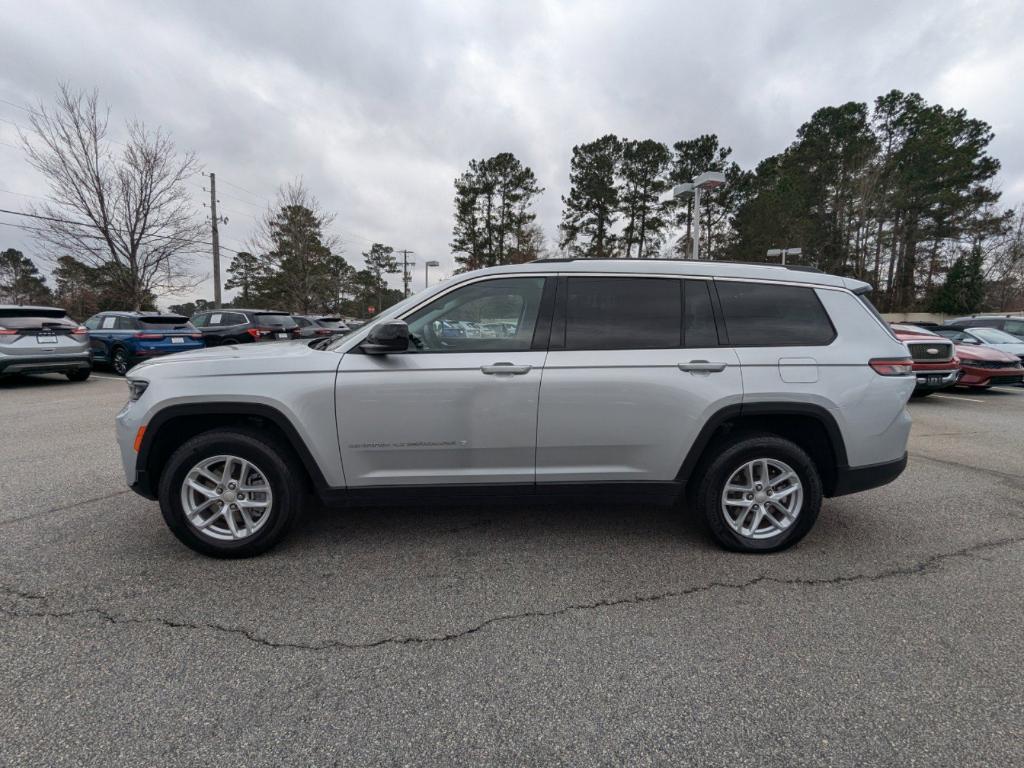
(226, 498)
(762, 498)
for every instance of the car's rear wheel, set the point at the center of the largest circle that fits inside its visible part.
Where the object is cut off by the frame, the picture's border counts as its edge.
(78, 374)
(230, 493)
(229, 341)
(761, 494)
(120, 361)
(922, 392)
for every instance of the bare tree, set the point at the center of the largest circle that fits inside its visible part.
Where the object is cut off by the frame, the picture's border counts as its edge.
(125, 212)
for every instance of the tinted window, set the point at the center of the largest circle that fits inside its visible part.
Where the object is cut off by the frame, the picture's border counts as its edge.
(163, 322)
(699, 326)
(497, 315)
(301, 322)
(93, 322)
(623, 313)
(274, 319)
(1016, 327)
(126, 324)
(200, 321)
(765, 315)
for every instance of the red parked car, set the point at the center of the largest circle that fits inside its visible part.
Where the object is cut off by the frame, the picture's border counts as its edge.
(935, 360)
(984, 367)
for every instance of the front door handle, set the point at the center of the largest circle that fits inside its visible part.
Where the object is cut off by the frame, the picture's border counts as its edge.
(505, 369)
(702, 366)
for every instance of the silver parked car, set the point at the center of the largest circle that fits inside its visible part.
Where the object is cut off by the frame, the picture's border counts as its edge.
(752, 391)
(43, 340)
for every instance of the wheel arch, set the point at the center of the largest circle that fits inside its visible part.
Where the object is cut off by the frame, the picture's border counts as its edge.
(808, 425)
(171, 426)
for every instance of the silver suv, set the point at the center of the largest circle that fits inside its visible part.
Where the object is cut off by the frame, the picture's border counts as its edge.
(43, 340)
(751, 390)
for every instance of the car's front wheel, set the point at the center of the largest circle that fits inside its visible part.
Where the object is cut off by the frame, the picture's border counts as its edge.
(230, 493)
(761, 494)
(79, 374)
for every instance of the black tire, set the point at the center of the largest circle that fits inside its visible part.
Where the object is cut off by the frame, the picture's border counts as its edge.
(727, 460)
(274, 462)
(120, 361)
(919, 393)
(78, 374)
(228, 342)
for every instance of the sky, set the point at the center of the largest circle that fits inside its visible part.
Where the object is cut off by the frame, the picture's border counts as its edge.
(379, 106)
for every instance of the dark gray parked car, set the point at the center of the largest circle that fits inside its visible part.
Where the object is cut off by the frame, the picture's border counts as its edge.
(319, 326)
(43, 340)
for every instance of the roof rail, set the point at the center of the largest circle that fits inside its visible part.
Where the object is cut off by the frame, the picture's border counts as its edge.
(563, 259)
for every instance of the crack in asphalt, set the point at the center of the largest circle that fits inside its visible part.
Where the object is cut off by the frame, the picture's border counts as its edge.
(960, 465)
(918, 568)
(63, 508)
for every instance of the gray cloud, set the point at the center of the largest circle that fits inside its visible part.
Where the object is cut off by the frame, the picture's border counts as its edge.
(380, 105)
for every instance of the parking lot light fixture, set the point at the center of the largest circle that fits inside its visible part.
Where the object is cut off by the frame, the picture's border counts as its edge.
(426, 271)
(782, 253)
(704, 181)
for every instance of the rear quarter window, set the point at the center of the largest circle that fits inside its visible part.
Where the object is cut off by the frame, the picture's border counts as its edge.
(772, 315)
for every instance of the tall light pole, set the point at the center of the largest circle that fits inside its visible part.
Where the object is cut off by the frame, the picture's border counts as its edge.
(426, 271)
(706, 180)
(783, 253)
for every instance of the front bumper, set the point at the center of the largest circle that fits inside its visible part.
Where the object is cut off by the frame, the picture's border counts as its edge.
(856, 479)
(988, 377)
(44, 363)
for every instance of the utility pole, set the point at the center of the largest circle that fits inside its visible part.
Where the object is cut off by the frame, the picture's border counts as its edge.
(216, 241)
(405, 271)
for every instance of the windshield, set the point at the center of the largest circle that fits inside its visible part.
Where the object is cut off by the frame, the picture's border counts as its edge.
(994, 336)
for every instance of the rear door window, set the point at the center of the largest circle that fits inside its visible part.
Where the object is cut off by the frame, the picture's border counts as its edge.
(126, 324)
(699, 328)
(772, 315)
(623, 313)
(110, 321)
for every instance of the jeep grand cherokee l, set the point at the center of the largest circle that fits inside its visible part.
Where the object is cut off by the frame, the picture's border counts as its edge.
(751, 390)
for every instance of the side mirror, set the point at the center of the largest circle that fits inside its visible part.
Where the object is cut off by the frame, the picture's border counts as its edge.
(392, 336)
(969, 340)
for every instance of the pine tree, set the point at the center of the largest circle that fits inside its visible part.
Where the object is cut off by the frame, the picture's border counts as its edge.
(643, 171)
(591, 206)
(494, 215)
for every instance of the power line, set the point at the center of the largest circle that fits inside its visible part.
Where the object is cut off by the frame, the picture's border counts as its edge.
(113, 229)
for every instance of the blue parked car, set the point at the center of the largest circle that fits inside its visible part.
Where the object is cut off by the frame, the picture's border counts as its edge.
(122, 339)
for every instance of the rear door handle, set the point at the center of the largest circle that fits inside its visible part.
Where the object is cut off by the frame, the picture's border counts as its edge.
(702, 366)
(505, 369)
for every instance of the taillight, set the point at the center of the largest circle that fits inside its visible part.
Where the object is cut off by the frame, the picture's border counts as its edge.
(80, 331)
(892, 366)
(323, 332)
(254, 332)
(197, 335)
(8, 332)
(149, 335)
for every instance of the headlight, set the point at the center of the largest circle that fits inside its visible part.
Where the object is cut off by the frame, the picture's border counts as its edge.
(136, 388)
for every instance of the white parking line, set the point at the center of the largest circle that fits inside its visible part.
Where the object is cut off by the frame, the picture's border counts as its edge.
(106, 376)
(959, 397)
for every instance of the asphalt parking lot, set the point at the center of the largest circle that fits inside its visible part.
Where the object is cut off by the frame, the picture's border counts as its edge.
(574, 635)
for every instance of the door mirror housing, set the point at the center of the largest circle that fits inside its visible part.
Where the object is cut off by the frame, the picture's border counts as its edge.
(969, 340)
(383, 339)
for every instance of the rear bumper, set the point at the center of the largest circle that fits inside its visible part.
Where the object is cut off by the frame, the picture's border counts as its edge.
(856, 479)
(927, 379)
(44, 364)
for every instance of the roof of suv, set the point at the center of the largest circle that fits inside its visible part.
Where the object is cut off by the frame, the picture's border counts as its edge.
(725, 269)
